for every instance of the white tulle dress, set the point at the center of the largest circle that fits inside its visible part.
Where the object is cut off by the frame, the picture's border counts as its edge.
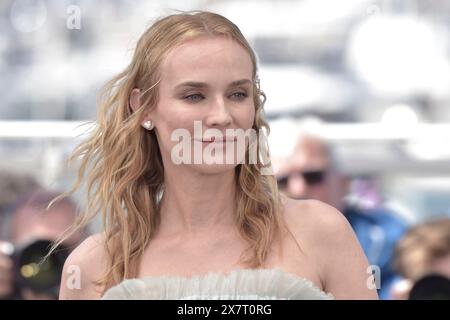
(241, 284)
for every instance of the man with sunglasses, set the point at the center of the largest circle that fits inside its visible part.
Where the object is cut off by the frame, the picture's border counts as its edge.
(311, 173)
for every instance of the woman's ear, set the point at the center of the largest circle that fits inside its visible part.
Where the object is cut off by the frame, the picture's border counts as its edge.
(135, 104)
(135, 99)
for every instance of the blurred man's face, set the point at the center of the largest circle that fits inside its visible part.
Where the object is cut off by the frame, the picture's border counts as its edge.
(441, 266)
(29, 224)
(307, 174)
(303, 176)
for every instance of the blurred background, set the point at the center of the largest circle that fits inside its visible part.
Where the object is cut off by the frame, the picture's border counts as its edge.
(370, 78)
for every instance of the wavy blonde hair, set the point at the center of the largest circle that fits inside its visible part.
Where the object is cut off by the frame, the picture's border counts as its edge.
(121, 162)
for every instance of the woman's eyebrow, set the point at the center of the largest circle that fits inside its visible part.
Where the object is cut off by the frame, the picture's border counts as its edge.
(195, 84)
(240, 82)
(192, 84)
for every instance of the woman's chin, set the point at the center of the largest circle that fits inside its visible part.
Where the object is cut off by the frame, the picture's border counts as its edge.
(213, 168)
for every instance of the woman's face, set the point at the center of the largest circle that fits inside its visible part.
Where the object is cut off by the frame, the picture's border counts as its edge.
(207, 80)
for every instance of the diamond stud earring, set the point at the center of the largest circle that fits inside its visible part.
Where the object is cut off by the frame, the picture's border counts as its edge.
(148, 125)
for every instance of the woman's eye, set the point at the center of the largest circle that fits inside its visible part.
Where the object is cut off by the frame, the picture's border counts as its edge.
(239, 95)
(194, 97)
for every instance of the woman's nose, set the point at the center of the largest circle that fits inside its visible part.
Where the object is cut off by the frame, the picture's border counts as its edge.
(219, 114)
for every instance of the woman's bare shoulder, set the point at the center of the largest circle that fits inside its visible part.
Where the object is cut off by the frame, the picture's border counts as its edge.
(314, 223)
(329, 239)
(313, 217)
(84, 266)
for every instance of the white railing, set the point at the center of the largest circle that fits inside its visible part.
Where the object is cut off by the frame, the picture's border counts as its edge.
(334, 132)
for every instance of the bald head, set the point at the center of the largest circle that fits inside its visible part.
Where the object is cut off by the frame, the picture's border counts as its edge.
(313, 152)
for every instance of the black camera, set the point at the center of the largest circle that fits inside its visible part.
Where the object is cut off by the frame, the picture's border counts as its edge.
(431, 287)
(33, 272)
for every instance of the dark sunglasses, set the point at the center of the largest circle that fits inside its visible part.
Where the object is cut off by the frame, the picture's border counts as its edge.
(311, 177)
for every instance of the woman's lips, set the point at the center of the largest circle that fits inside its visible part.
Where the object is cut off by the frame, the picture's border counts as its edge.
(218, 140)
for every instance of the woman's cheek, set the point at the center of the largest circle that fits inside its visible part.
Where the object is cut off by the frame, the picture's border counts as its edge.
(170, 129)
(249, 117)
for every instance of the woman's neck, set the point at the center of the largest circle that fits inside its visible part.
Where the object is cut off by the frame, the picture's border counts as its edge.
(197, 204)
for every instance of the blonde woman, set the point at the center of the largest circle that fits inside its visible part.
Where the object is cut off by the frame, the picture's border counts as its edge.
(198, 229)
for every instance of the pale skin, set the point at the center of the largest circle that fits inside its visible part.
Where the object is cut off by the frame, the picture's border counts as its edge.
(197, 233)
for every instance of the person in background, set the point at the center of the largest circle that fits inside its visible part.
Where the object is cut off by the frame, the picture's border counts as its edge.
(423, 251)
(311, 172)
(31, 221)
(12, 186)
